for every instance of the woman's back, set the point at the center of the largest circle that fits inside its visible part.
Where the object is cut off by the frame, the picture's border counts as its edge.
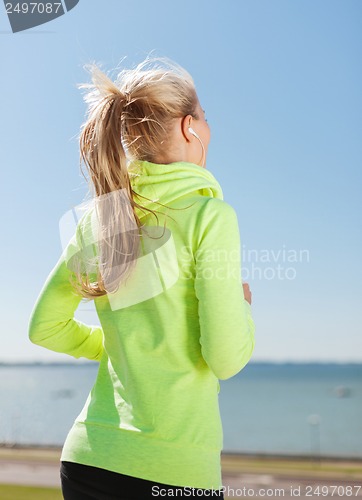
(155, 395)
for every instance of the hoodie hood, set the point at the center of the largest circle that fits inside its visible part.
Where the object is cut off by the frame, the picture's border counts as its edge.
(167, 183)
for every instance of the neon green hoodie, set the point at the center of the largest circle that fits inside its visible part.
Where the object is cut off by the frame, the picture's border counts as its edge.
(153, 411)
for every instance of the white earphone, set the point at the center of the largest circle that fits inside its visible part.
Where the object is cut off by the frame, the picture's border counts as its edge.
(192, 131)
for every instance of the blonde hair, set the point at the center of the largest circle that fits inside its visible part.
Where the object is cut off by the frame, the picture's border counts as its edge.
(127, 119)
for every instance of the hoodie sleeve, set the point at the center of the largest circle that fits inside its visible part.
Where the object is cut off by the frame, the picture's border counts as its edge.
(52, 324)
(226, 324)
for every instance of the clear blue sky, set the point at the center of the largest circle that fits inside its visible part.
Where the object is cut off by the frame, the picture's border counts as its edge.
(281, 85)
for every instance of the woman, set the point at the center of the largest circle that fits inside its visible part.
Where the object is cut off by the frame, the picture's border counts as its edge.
(159, 253)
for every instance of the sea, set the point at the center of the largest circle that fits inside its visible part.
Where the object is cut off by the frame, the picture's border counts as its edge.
(296, 409)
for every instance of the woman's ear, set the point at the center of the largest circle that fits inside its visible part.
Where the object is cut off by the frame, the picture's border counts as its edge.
(186, 123)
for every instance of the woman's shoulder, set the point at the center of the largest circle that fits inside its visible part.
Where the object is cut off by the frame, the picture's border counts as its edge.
(211, 207)
(213, 217)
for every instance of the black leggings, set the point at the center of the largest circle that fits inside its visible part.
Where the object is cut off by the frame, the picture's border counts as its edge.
(85, 482)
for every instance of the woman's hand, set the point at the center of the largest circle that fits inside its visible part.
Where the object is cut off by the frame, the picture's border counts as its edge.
(247, 292)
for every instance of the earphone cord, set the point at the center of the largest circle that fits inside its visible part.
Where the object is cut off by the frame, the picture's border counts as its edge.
(192, 131)
(203, 150)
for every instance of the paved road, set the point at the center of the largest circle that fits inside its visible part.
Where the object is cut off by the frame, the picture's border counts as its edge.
(29, 473)
(271, 486)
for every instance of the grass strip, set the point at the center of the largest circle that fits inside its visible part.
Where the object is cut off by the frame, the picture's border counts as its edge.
(11, 492)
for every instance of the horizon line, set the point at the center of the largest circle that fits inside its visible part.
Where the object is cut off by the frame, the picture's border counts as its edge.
(259, 361)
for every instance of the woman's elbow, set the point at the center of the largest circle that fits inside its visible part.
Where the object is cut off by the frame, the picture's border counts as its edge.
(32, 329)
(40, 332)
(232, 368)
(34, 334)
(231, 371)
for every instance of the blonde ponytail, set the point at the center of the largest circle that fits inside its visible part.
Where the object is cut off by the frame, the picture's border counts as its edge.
(126, 120)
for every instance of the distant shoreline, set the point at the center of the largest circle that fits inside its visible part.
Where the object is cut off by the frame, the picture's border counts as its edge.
(251, 363)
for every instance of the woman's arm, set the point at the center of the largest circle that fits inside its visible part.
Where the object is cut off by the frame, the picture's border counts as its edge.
(226, 324)
(52, 324)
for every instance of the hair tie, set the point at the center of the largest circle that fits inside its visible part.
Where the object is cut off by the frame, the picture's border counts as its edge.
(127, 96)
